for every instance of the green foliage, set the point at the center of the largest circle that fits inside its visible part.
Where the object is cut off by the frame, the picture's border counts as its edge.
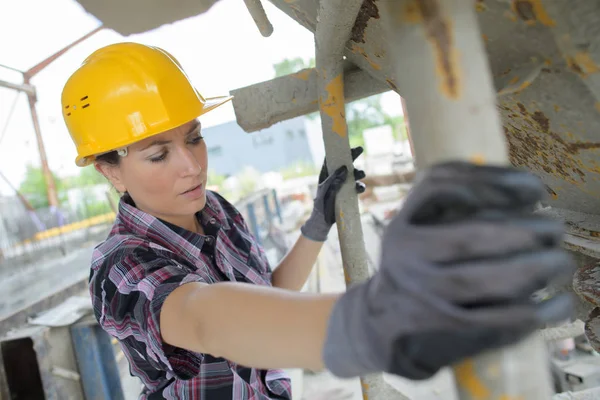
(87, 177)
(360, 115)
(35, 190)
(214, 179)
(299, 169)
(290, 66)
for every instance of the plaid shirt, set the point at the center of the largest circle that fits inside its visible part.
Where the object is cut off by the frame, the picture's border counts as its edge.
(141, 262)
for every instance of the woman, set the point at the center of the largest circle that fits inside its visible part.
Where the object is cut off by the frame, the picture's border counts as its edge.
(189, 294)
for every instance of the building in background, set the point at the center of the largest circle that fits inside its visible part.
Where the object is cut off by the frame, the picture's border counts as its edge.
(278, 147)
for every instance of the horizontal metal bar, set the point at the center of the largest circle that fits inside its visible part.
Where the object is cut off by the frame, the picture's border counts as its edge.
(21, 87)
(264, 104)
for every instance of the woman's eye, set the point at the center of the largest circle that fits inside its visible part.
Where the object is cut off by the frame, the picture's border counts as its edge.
(195, 140)
(159, 158)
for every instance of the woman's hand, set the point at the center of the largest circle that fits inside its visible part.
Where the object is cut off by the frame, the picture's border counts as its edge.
(459, 265)
(322, 217)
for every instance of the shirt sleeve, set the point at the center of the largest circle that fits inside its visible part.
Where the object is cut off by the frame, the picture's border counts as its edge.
(131, 294)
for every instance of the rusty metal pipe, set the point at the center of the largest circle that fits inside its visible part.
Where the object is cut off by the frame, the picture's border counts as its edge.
(258, 14)
(336, 20)
(441, 66)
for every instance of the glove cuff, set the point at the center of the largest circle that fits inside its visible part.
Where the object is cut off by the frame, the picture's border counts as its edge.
(345, 352)
(315, 228)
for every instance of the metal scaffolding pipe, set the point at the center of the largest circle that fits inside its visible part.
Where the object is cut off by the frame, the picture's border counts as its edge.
(336, 20)
(21, 87)
(260, 17)
(441, 65)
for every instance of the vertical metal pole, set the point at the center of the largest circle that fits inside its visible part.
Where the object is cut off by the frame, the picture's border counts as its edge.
(253, 222)
(277, 206)
(268, 212)
(407, 127)
(50, 185)
(336, 19)
(443, 73)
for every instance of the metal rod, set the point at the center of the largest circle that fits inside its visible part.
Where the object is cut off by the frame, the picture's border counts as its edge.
(407, 127)
(48, 177)
(336, 20)
(260, 17)
(31, 72)
(13, 106)
(21, 87)
(441, 66)
(277, 206)
(11, 68)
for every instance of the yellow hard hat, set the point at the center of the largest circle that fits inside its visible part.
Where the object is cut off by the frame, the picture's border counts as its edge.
(126, 92)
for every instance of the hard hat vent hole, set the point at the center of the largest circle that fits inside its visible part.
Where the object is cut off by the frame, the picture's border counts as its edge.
(67, 106)
(69, 114)
(85, 105)
(84, 98)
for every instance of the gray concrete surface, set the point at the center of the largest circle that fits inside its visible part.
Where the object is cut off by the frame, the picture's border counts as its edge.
(36, 282)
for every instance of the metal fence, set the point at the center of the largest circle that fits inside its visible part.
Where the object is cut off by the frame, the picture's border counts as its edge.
(28, 236)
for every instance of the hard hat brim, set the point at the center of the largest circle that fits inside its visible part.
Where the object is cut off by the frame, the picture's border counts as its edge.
(209, 104)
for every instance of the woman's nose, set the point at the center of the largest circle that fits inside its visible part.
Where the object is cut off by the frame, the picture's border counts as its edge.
(188, 162)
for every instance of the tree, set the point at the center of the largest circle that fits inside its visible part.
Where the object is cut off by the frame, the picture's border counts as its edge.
(88, 176)
(34, 187)
(290, 66)
(360, 114)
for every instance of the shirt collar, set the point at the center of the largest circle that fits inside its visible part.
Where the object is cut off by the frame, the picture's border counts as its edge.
(139, 222)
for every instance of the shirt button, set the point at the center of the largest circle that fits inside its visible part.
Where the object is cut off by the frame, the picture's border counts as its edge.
(212, 221)
(209, 240)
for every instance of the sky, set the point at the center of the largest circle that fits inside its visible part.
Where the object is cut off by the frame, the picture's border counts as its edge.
(216, 59)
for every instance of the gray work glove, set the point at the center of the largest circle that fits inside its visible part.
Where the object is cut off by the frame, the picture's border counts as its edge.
(460, 263)
(322, 218)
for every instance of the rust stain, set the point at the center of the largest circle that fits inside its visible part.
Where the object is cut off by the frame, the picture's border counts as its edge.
(304, 74)
(597, 105)
(556, 108)
(411, 13)
(510, 15)
(514, 80)
(334, 107)
(585, 283)
(592, 328)
(392, 84)
(485, 38)
(440, 35)
(360, 50)
(346, 276)
(367, 11)
(533, 144)
(467, 379)
(542, 121)
(582, 64)
(551, 192)
(532, 11)
(365, 389)
(479, 6)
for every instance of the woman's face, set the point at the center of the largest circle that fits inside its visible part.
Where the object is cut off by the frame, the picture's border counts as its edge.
(165, 174)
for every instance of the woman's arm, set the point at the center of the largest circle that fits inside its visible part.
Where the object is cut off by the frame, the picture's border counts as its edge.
(294, 269)
(255, 326)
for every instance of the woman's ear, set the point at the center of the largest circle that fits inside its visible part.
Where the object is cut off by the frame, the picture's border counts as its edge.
(112, 173)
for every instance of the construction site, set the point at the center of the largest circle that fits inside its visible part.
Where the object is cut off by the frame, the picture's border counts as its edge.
(510, 82)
